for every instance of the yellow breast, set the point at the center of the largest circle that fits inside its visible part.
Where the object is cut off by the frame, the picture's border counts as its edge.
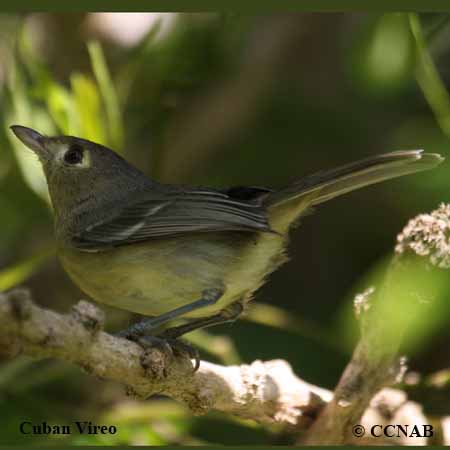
(160, 275)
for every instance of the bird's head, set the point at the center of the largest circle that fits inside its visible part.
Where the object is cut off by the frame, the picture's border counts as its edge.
(77, 169)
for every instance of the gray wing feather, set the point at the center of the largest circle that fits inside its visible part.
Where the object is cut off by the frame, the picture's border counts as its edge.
(167, 214)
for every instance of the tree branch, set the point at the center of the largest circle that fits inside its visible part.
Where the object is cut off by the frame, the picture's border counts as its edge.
(375, 363)
(263, 391)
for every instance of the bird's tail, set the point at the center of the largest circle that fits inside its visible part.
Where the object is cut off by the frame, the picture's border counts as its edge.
(285, 205)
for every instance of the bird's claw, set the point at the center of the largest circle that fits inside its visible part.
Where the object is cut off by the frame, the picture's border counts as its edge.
(168, 346)
(183, 349)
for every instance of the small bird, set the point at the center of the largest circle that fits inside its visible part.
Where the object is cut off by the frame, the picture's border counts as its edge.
(180, 252)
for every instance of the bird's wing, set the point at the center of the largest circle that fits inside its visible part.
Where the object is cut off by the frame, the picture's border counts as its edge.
(155, 215)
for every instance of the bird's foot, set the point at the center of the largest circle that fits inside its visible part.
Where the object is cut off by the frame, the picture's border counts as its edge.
(169, 348)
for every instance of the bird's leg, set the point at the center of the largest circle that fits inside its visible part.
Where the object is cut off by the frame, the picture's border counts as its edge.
(146, 327)
(141, 332)
(168, 340)
(229, 314)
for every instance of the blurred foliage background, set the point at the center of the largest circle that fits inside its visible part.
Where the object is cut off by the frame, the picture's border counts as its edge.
(223, 99)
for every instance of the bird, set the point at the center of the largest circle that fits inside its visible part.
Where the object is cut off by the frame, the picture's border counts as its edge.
(187, 256)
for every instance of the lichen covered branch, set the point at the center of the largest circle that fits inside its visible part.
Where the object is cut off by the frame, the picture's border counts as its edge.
(263, 391)
(424, 245)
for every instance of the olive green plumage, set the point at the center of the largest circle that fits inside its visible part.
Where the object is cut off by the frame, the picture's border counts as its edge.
(134, 243)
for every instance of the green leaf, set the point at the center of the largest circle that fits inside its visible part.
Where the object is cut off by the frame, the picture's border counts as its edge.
(18, 273)
(60, 107)
(276, 317)
(108, 94)
(409, 295)
(88, 108)
(428, 77)
(22, 111)
(383, 56)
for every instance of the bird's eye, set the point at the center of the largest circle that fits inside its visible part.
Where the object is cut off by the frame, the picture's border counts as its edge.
(74, 155)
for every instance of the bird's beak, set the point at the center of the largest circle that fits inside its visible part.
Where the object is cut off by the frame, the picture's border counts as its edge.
(31, 138)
